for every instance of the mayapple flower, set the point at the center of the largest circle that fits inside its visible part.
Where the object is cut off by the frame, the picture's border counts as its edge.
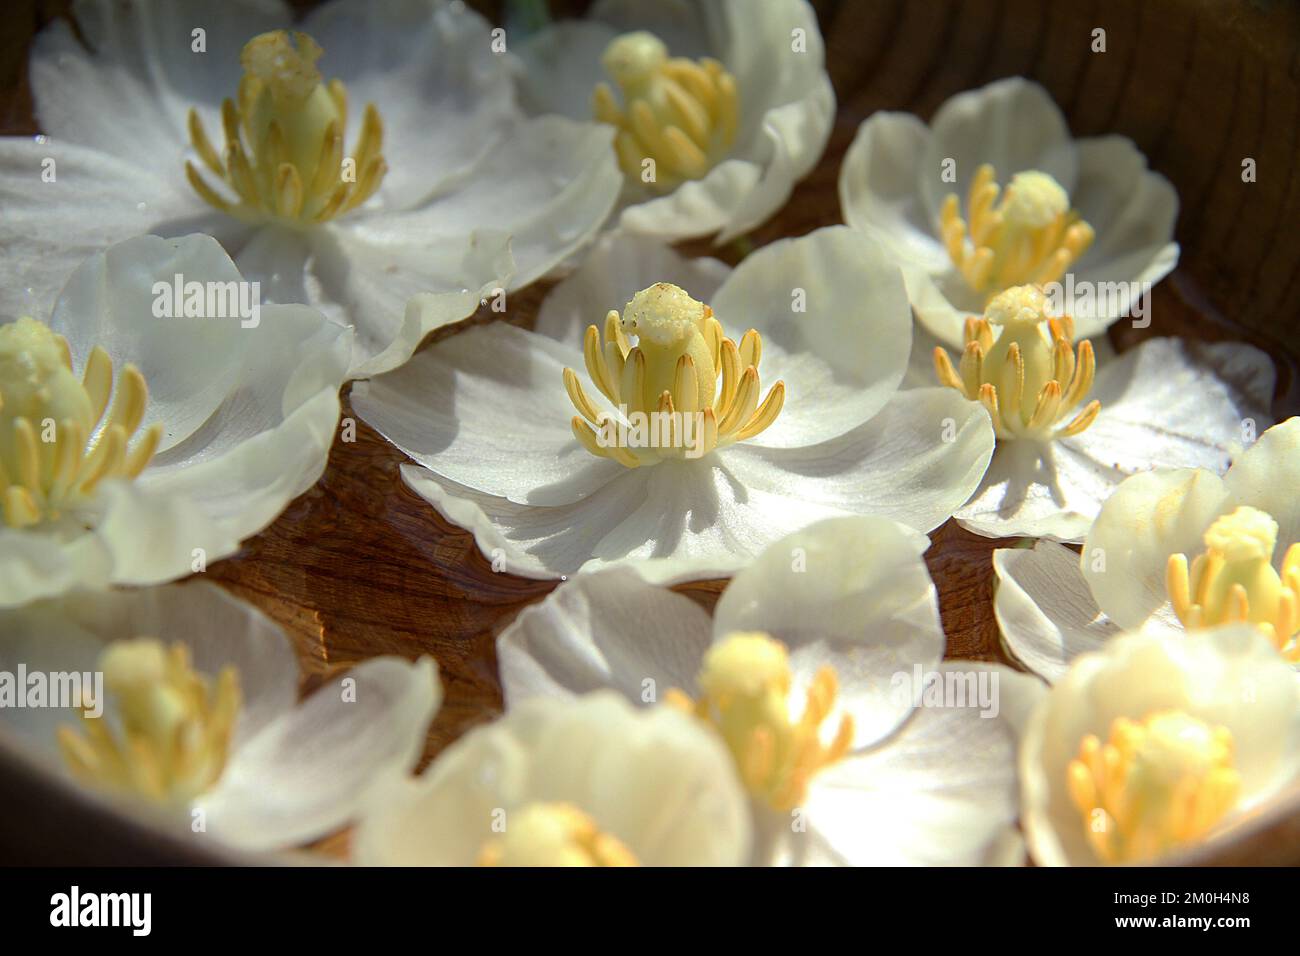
(584, 782)
(140, 437)
(1069, 430)
(371, 162)
(195, 726)
(718, 106)
(719, 410)
(1152, 748)
(1171, 550)
(818, 672)
(995, 193)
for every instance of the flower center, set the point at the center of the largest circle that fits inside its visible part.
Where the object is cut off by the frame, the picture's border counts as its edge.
(683, 390)
(676, 113)
(1157, 784)
(554, 834)
(1029, 377)
(1031, 236)
(56, 444)
(745, 696)
(284, 140)
(1234, 580)
(175, 730)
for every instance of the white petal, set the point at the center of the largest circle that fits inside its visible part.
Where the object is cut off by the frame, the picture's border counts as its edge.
(942, 302)
(916, 462)
(878, 189)
(560, 67)
(940, 792)
(698, 207)
(616, 268)
(35, 564)
(307, 773)
(1012, 124)
(1266, 477)
(608, 629)
(444, 96)
(129, 93)
(834, 318)
(1045, 612)
(1149, 517)
(852, 593)
(487, 409)
(654, 779)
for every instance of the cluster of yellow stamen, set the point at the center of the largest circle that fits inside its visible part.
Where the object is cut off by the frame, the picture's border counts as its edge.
(1031, 236)
(175, 729)
(1155, 785)
(745, 687)
(1234, 580)
(682, 365)
(284, 139)
(554, 834)
(56, 445)
(676, 112)
(1028, 377)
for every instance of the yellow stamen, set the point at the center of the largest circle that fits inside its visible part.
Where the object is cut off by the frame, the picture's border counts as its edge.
(554, 834)
(1155, 785)
(1028, 377)
(56, 443)
(683, 390)
(1031, 237)
(284, 140)
(175, 729)
(680, 114)
(1234, 580)
(745, 695)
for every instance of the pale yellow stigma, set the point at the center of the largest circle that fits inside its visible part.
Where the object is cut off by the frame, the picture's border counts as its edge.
(683, 390)
(56, 444)
(1029, 378)
(678, 117)
(1031, 236)
(1156, 785)
(554, 834)
(284, 140)
(1234, 580)
(175, 730)
(745, 687)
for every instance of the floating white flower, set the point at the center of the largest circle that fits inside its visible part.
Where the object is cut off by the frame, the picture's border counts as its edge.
(1158, 744)
(994, 193)
(373, 165)
(821, 671)
(699, 443)
(197, 728)
(136, 447)
(585, 782)
(1069, 430)
(719, 106)
(1172, 550)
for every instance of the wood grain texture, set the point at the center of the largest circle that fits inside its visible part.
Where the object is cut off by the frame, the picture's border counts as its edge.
(360, 566)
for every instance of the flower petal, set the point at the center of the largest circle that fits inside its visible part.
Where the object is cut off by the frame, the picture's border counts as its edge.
(607, 629)
(560, 67)
(35, 565)
(1266, 476)
(852, 593)
(1045, 612)
(833, 314)
(307, 773)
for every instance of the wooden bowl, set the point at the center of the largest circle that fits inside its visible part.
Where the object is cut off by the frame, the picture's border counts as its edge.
(360, 566)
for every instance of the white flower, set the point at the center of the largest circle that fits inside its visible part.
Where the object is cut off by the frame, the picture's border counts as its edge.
(1088, 209)
(1070, 428)
(725, 103)
(1170, 550)
(198, 730)
(215, 424)
(489, 414)
(821, 670)
(585, 782)
(1158, 743)
(410, 171)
